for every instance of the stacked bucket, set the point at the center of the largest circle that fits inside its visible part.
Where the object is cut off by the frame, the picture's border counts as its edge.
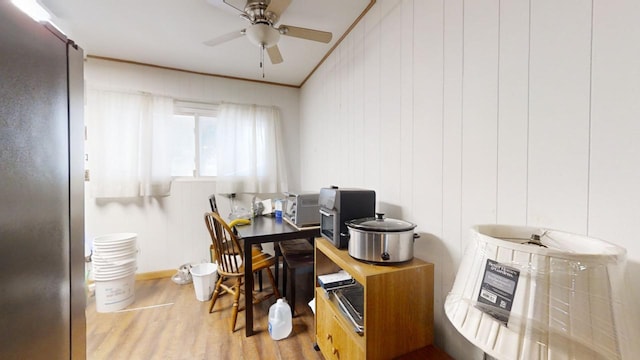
(114, 269)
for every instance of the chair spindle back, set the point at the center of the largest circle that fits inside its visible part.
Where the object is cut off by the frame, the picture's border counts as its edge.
(228, 252)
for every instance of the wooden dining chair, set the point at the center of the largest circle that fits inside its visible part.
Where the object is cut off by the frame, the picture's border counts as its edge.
(230, 258)
(255, 249)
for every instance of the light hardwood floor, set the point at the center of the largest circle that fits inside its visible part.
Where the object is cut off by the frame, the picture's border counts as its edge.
(166, 321)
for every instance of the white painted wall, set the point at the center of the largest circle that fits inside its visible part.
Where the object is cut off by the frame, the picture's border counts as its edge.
(171, 229)
(486, 111)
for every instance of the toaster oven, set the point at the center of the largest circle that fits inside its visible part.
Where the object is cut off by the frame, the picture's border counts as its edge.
(302, 209)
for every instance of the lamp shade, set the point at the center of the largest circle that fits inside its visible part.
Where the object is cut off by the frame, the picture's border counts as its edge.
(531, 293)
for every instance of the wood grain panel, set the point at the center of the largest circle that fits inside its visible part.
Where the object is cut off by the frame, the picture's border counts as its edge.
(167, 322)
(398, 302)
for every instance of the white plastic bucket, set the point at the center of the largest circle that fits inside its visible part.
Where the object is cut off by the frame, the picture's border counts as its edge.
(115, 250)
(114, 270)
(115, 238)
(113, 294)
(100, 263)
(111, 272)
(204, 280)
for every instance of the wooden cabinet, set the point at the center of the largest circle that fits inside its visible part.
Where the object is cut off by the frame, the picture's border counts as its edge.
(398, 307)
(333, 332)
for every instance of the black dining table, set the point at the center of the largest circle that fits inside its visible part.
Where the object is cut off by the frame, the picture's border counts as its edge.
(265, 229)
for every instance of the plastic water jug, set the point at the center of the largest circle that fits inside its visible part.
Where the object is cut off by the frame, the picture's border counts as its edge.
(280, 320)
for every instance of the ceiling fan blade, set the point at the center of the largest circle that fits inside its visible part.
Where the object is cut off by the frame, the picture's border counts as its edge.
(238, 5)
(274, 54)
(303, 33)
(224, 38)
(278, 6)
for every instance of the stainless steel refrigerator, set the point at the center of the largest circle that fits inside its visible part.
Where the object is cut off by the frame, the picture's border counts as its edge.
(42, 298)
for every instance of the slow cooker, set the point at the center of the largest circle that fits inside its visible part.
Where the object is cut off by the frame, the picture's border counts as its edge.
(381, 240)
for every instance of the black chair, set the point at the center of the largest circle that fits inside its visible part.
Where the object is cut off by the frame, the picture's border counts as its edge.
(213, 204)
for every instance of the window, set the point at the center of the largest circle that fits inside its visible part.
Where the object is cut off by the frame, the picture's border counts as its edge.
(192, 145)
(239, 144)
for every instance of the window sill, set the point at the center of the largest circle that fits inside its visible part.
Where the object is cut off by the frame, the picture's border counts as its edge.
(188, 179)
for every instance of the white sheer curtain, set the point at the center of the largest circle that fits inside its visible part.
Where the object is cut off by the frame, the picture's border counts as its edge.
(126, 140)
(249, 148)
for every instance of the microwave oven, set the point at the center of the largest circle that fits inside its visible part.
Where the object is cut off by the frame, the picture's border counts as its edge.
(339, 205)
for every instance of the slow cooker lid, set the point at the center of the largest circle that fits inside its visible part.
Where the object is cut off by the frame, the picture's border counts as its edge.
(380, 223)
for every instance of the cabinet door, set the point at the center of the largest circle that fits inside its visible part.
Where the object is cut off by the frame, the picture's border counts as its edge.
(334, 340)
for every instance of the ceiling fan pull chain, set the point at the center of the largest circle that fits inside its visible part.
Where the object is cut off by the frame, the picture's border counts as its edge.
(262, 59)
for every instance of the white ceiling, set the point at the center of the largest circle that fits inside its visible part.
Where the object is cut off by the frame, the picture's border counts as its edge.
(170, 33)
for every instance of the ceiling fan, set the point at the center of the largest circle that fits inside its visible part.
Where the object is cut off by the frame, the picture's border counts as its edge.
(263, 16)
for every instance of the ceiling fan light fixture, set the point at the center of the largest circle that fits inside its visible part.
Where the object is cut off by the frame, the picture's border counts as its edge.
(263, 35)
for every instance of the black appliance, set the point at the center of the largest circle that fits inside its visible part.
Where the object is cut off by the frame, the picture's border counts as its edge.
(338, 205)
(42, 268)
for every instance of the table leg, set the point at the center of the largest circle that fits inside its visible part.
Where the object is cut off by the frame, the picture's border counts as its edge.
(276, 248)
(248, 289)
(285, 274)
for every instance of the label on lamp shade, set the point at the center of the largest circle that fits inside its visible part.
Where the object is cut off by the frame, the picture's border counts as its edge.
(497, 290)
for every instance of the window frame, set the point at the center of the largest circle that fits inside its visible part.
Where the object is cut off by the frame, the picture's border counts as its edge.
(197, 110)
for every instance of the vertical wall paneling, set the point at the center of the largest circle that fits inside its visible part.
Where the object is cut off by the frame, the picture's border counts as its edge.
(344, 125)
(359, 157)
(428, 114)
(452, 233)
(479, 112)
(346, 105)
(559, 114)
(333, 122)
(452, 122)
(513, 112)
(614, 199)
(428, 144)
(407, 115)
(514, 116)
(372, 96)
(615, 129)
(388, 191)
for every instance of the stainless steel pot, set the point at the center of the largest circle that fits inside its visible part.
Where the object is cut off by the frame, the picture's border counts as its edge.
(380, 240)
